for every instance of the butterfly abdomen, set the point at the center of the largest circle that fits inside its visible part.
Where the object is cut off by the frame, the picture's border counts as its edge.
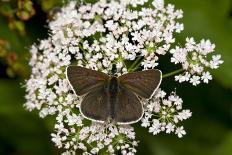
(113, 92)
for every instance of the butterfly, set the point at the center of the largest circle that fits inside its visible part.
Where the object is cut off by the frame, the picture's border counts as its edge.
(114, 98)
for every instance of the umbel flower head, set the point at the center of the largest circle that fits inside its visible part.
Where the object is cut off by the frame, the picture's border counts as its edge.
(128, 34)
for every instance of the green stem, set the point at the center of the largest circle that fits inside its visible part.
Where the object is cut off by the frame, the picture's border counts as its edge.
(136, 67)
(82, 49)
(135, 64)
(172, 73)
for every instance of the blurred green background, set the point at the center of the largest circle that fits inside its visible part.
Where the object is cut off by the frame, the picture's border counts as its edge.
(209, 131)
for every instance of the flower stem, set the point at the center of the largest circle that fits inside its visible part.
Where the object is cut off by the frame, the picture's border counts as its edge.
(135, 64)
(82, 48)
(173, 73)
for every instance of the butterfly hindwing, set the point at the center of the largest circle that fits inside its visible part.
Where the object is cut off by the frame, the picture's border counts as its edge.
(94, 105)
(84, 80)
(128, 108)
(143, 83)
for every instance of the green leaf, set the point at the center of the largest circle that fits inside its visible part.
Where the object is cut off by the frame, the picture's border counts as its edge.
(21, 132)
(225, 147)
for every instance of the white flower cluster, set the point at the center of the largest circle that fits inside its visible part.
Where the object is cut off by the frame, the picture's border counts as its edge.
(163, 115)
(96, 138)
(119, 32)
(128, 34)
(196, 60)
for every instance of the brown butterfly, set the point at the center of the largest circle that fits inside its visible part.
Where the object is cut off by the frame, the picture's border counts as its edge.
(107, 97)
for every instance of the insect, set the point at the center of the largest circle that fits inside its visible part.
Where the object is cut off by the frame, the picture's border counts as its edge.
(107, 97)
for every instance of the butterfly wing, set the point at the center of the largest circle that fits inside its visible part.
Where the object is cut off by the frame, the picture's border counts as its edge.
(128, 108)
(94, 105)
(84, 80)
(143, 83)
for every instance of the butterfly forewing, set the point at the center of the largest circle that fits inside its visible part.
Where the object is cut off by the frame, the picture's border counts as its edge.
(95, 105)
(84, 80)
(128, 108)
(143, 83)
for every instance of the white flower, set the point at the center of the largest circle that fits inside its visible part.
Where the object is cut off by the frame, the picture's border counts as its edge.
(206, 76)
(94, 151)
(205, 47)
(179, 55)
(183, 115)
(145, 122)
(179, 27)
(159, 4)
(176, 99)
(170, 128)
(195, 80)
(180, 131)
(216, 61)
(155, 128)
(183, 78)
(57, 140)
(190, 44)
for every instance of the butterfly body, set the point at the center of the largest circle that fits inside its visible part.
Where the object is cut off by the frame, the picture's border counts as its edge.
(113, 89)
(112, 98)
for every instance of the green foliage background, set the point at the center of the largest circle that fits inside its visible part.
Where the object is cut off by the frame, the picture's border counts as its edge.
(209, 131)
